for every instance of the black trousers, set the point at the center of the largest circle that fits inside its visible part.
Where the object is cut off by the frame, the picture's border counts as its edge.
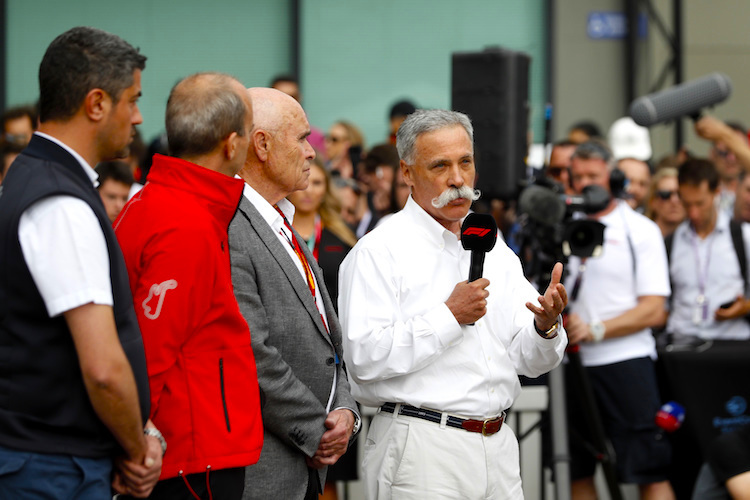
(225, 484)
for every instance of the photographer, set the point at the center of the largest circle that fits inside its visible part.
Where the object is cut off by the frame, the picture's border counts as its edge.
(615, 299)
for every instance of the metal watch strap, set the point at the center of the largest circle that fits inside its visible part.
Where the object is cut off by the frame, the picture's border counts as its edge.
(154, 432)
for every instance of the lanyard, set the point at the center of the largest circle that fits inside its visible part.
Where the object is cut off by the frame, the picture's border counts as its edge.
(303, 259)
(702, 273)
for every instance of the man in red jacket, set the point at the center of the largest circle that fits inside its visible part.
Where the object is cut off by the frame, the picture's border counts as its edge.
(173, 233)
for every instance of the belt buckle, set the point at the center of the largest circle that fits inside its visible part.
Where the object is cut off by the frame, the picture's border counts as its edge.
(491, 420)
(484, 426)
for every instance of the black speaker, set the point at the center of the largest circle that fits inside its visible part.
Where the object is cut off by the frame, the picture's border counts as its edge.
(492, 87)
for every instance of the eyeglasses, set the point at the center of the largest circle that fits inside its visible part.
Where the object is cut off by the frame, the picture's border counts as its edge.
(666, 194)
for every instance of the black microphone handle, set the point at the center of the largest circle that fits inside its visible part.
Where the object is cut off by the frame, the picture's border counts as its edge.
(477, 265)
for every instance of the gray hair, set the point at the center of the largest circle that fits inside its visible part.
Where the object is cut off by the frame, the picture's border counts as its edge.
(202, 110)
(427, 120)
(595, 149)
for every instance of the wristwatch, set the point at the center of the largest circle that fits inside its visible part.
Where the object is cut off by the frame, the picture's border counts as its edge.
(357, 424)
(598, 330)
(154, 432)
(551, 333)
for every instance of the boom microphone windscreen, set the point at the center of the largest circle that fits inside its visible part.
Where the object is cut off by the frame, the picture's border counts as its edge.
(542, 205)
(684, 99)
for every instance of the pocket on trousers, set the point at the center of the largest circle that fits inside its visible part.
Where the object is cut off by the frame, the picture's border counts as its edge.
(11, 464)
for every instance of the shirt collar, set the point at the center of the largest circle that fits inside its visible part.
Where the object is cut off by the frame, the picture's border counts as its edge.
(434, 231)
(90, 172)
(722, 224)
(266, 210)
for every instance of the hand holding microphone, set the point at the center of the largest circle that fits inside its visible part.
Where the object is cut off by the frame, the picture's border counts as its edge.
(468, 301)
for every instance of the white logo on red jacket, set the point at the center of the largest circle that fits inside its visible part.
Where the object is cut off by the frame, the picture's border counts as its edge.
(160, 291)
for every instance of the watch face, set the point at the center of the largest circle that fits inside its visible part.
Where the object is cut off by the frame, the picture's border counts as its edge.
(597, 330)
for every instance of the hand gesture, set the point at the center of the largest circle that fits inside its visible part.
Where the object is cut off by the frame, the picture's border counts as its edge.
(552, 303)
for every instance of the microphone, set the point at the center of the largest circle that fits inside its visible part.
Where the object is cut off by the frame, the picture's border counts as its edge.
(684, 99)
(543, 205)
(479, 235)
(593, 199)
(670, 416)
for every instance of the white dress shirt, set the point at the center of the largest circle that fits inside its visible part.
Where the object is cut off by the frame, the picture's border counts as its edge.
(401, 342)
(65, 249)
(712, 260)
(275, 221)
(610, 287)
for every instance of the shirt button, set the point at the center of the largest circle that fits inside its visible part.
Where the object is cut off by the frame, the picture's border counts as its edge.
(492, 390)
(489, 358)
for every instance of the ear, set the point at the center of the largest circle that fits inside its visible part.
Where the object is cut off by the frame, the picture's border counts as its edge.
(261, 143)
(96, 104)
(231, 146)
(406, 171)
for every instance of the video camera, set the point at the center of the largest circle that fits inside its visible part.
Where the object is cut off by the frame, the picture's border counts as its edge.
(552, 227)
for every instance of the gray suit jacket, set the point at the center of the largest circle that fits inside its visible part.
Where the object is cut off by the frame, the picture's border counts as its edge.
(293, 352)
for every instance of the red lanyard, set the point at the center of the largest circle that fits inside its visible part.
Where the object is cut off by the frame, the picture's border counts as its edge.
(300, 254)
(303, 259)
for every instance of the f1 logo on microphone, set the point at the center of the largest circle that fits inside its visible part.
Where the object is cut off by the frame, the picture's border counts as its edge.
(478, 231)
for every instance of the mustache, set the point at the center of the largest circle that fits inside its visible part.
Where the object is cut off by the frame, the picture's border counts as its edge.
(451, 194)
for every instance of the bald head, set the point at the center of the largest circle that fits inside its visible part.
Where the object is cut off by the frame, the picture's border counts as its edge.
(278, 162)
(202, 111)
(272, 108)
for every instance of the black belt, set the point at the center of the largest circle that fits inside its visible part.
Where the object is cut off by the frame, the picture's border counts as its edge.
(486, 427)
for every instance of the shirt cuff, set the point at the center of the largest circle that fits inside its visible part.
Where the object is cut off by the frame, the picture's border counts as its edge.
(547, 343)
(444, 324)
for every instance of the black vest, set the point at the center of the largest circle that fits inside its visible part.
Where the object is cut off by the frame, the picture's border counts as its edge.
(44, 406)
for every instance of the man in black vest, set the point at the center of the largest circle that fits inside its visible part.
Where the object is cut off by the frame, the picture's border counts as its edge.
(73, 383)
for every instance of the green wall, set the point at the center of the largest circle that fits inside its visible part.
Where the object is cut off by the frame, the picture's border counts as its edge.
(357, 56)
(249, 39)
(361, 56)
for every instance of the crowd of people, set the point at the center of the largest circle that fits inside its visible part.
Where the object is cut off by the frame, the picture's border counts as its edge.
(203, 316)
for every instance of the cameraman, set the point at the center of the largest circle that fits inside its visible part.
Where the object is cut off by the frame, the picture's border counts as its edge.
(615, 299)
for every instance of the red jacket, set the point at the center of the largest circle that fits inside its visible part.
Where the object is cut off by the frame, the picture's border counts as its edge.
(204, 388)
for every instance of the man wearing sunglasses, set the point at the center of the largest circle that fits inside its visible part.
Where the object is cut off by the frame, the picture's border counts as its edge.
(559, 164)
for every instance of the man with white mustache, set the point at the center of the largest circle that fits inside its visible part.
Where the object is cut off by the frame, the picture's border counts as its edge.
(440, 356)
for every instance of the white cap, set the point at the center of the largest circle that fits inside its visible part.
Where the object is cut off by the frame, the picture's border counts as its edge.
(629, 140)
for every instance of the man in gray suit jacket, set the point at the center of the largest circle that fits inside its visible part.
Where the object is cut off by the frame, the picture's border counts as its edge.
(309, 415)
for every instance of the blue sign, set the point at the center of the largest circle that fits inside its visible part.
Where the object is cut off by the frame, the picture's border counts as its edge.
(612, 25)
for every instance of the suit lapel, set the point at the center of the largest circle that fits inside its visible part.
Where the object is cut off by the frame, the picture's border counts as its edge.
(285, 262)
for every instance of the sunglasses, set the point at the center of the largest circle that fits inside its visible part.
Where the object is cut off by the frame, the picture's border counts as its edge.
(666, 194)
(556, 171)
